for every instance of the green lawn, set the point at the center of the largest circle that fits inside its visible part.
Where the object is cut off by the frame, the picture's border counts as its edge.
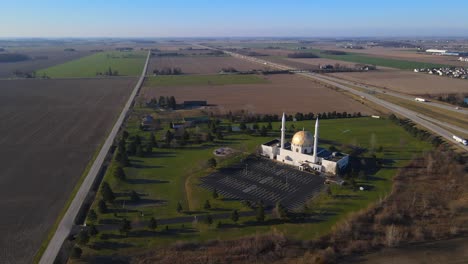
(192, 80)
(365, 59)
(180, 171)
(126, 63)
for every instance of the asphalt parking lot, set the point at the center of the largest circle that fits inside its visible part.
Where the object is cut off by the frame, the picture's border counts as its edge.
(260, 179)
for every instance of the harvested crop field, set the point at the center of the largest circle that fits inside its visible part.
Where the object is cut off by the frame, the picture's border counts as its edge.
(407, 82)
(287, 93)
(201, 65)
(402, 54)
(40, 58)
(50, 130)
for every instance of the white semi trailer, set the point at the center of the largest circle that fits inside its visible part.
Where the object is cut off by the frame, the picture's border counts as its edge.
(460, 140)
(420, 99)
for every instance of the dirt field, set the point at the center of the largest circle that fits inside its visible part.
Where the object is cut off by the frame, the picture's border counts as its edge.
(55, 55)
(407, 82)
(50, 130)
(287, 93)
(201, 65)
(401, 54)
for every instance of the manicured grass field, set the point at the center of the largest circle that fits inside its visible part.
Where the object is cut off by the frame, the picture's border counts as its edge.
(364, 59)
(179, 171)
(126, 63)
(192, 80)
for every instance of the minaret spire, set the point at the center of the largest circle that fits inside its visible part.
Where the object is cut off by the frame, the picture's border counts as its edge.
(283, 129)
(316, 135)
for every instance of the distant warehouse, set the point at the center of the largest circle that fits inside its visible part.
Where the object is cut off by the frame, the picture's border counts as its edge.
(445, 52)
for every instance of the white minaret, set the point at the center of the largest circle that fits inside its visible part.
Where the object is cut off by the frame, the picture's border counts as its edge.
(283, 130)
(316, 135)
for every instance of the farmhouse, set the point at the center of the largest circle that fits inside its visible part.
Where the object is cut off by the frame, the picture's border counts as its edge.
(303, 152)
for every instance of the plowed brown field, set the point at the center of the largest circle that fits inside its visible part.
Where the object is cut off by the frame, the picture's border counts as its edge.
(287, 93)
(49, 130)
(201, 65)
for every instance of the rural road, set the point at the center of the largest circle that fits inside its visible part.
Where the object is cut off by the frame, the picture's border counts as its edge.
(67, 222)
(417, 118)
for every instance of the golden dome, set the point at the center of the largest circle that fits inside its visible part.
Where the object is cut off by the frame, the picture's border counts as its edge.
(303, 138)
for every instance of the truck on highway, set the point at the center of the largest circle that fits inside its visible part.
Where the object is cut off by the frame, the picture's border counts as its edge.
(418, 99)
(460, 140)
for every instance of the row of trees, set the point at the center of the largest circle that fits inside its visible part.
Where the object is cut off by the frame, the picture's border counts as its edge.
(243, 116)
(416, 132)
(109, 72)
(166, 102)
(168, 71)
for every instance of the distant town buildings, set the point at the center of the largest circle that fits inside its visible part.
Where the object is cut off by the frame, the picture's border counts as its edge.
(453, 72)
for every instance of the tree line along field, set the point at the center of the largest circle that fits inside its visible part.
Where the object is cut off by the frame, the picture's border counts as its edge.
(50, 130)
(200, 64)
(278, 93)
(171, 175)
(121, 63)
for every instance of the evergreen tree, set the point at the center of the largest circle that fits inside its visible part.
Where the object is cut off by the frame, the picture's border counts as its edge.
(215, 194)
(208, 219)
(281, 211)
(76, 252)
(92, 216)
(260, 214)
(179, 207)
(92, 230)
(207, 205)
(131, 149)
(235, 216)
(107, 193)
(152, 140)
(122, 158)
(149, 149)
(169, 137)
(152, 224)
(102, 207)
(134, 197)
(172, 102)
(82, 238)
(212, 163)
(125, 227)
(263, 131)
(119, 173)
(139, 151)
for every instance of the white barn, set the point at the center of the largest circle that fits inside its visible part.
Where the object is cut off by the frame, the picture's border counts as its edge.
(303, 152)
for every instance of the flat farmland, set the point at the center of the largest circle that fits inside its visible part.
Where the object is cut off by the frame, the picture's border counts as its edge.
(50, 130)
(41, 58)
(311, 63)
(201, 65)
(287, 93)
(402, 54)
(407, 82)
(125, 63)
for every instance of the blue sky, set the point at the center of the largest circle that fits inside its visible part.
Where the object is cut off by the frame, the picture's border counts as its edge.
(177, 18)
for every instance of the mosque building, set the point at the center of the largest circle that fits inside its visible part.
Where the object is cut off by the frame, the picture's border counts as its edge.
(303, 152)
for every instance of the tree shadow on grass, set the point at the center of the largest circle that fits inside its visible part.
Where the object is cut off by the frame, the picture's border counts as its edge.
(347, 196)
(141, 166)
(220, 210)
(145, 181)
(162, 154)
(107, 260)
(99, 245)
